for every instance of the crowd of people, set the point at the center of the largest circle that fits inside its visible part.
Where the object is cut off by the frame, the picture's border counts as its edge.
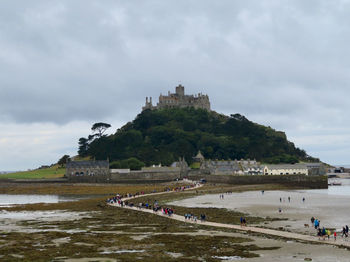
(123, 200)
(192, 217)
(324, 233)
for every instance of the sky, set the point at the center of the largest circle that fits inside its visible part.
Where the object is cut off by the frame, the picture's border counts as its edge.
(65, 65)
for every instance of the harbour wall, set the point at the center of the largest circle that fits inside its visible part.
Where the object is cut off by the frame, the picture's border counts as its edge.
(144, 176)
(313, 182)
(156, 176)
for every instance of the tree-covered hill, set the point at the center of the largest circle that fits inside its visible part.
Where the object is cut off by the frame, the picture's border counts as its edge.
(162, 136)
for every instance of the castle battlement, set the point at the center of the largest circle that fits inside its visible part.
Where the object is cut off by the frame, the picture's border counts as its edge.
(180, 100)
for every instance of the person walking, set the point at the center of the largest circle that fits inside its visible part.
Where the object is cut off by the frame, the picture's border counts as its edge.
(346, 231)
(328, 231)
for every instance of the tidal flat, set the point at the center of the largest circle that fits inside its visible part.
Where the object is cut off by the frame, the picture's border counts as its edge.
(90, 230)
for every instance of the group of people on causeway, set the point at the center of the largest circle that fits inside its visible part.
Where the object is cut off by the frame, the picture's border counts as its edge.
(243, 221)
(192, 217)
(123, 200)
(324, 233)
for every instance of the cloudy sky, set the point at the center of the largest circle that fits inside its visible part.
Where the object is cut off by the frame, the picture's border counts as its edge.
(65, 65)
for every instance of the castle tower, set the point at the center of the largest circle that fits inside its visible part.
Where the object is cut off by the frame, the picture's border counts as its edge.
(180, 100)
(180, 90)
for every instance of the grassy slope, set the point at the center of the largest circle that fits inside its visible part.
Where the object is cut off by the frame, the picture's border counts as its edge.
(52, 172)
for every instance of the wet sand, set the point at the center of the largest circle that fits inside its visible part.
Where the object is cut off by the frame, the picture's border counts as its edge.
(332, 210)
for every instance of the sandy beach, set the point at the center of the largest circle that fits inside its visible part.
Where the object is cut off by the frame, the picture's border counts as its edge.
(330, 208)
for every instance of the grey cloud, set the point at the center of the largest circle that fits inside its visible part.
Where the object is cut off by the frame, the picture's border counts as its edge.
(282, 64)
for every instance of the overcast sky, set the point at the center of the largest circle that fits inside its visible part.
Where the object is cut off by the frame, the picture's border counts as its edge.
(65, 65)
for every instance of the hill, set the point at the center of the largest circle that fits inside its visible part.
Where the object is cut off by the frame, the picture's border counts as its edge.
(50, 172)
(164, 135)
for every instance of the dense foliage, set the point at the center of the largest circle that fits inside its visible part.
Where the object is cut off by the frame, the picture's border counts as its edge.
(162, 136)
(132, 163)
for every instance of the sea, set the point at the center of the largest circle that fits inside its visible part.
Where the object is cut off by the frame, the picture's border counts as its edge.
(7, 200)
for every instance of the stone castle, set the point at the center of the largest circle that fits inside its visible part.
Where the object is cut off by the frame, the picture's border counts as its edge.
(179, 99)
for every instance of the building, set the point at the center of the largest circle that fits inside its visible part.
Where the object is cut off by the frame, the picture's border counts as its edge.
(88, 171)
(251, 167)
(220, 167)
(179, 100)
(316, 169)
(286, 169)
(199, 157)
(231, 167)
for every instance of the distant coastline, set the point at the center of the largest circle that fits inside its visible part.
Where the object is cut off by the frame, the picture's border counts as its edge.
(345, 166)
(7, 172)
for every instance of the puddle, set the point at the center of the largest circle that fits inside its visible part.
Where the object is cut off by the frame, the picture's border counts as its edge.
(85, 259)
(59, 241)
(34, 221)
(83, 244)
(139, 237)
(42, 215)
(174, 255)
(106, 252)
(7, 200)
(230, 258)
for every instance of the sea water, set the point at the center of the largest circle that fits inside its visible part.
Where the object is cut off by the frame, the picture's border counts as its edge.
(10, 200)
(340, 190)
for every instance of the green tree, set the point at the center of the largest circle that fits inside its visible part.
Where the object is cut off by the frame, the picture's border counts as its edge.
(132, 163)
(63, 160)
(100, 128)
(164, 135)
(83, 146)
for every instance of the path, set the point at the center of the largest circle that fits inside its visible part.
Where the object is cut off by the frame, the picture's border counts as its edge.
(339, 242)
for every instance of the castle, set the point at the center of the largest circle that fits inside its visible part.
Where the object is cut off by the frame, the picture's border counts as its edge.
(179, 99)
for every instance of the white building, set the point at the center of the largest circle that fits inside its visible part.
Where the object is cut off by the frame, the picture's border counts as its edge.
(286, 169)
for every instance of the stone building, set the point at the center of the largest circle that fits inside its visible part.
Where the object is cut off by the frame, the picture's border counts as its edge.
(88, 171)
(231, 167)
(316, 169)
(179, 99)
(222, 167)
(199, 157)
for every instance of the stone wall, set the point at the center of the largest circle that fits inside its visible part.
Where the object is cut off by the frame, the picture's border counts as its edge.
(154, 176)
(90, 171)
(145, 176)
(101, 178)
(290, 180)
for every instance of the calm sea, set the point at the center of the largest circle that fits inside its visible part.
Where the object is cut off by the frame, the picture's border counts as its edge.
(9, 200)
(343, 190)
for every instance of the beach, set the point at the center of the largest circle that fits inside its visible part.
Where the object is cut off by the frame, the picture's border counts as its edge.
(330, 208)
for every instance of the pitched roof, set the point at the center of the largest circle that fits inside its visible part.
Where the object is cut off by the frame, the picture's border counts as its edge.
(199, 155)
(88, 164)
(286, 166)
